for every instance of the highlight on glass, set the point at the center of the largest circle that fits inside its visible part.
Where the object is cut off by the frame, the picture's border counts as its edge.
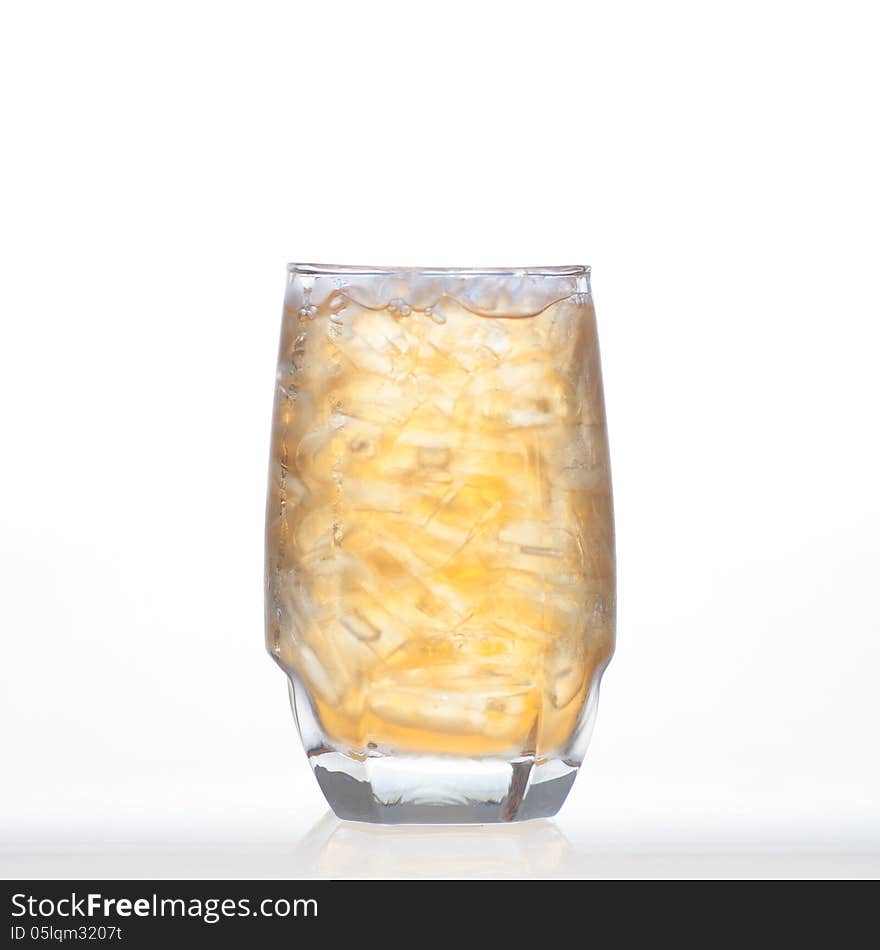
(440, 579)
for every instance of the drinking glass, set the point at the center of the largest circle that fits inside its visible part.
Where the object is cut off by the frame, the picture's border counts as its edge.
(440, 582)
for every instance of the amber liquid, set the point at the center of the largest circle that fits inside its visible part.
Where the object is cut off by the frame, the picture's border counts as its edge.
(440, 550)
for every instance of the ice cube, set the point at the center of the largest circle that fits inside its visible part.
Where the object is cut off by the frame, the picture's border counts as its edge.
(359, 627)
(317, 451)
(565, 684)
(434, 457)
(398, 579)
(496, 339)
(327, 683)
(314, 532)
(367, 358)
(501, 469)
(363, 495)
(539, 538)
(529, 418)
(497, 713)
(375, 399)
(391, 631)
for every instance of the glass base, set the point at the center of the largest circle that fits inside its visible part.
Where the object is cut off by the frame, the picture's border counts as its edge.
(395, 788)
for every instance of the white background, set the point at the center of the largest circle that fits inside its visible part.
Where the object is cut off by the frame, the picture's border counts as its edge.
(716, 164)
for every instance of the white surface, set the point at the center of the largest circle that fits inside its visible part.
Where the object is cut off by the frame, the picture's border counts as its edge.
(717, 165)
(333, 850)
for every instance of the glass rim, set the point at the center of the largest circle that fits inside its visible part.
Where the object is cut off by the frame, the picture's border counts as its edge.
(330, 270)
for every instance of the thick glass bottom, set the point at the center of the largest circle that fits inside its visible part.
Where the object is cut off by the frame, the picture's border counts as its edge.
(439, 789)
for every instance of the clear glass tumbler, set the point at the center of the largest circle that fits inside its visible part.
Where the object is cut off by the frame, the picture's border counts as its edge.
(440, 585)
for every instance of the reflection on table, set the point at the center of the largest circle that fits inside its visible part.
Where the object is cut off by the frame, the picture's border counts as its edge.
(343, 849)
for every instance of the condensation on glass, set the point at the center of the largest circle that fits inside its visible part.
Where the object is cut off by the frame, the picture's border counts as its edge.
(440, 585)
